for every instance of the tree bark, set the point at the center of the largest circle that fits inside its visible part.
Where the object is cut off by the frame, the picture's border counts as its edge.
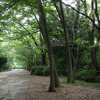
(75, 55)
(43, 57)
(91, 36)
(43, 52)
(69, 61)
(57, 83)
(50, 53)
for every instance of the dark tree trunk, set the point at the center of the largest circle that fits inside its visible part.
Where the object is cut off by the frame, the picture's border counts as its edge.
(91, 36)
(69, 61)
(47, 39)
(93, 52)
(75, 54)
(43, 57)
(43, 51)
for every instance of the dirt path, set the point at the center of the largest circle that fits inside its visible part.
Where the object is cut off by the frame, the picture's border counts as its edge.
(20, 85)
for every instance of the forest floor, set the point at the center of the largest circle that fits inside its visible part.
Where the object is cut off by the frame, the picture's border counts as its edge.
(20, 85)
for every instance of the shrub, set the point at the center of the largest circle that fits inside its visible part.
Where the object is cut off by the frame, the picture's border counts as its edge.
(60, 58)
(62, 72)
(3, 63)
(40, 70)
(33, 70)
(46, 71)
(86, 75)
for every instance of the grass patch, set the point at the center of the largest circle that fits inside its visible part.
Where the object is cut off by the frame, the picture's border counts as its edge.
(82, 83)
(63, 77)
(78, 82)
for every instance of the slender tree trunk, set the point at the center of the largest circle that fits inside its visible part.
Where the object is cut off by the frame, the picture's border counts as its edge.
(50, 53)
(57, 83)
(43, 57)
(43, 52)
(91, 36)
(75, 55)
(93, 52)
(69, 61)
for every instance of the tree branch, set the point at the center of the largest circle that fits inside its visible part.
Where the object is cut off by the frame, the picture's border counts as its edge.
(88, 49)
(29, 34)
(55, 17)
(80, 13)
(6, 8)
(96, 12)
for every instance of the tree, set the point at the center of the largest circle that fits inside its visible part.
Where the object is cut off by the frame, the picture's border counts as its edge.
(50, 53)
(59, 9)
(94, 12)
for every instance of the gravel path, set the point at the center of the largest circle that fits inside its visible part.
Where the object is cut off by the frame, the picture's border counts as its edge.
(20, 85)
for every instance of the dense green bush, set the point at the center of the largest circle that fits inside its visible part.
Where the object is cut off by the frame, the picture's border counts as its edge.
(62, 72)
(60, 57)
(87, 75)
(40, 70)
(46, 71)
(84, 62)
(3, 64)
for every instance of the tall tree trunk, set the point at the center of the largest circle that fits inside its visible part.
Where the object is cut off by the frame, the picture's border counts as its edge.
(69, 61)
(43, 52)
(75, 55)
(43, 57)
(50, 53)
(57, 83)
(93, 52)
(91, 36)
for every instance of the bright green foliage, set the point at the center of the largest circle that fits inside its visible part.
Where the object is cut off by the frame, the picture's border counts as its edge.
(98, 1)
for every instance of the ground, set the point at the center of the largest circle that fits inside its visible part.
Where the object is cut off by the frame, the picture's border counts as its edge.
(20, 85)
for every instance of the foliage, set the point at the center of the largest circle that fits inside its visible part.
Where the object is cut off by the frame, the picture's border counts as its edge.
(18, 67)
(82, 83)
(3, 64)
(78, 82)
(87, 75)
(46, 71)
(40, 70)
(84, 61)
(60, 60)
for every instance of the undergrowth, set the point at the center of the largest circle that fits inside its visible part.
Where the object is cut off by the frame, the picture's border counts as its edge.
(82, 83)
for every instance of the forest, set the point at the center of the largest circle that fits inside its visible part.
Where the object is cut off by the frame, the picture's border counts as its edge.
(51, 38)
